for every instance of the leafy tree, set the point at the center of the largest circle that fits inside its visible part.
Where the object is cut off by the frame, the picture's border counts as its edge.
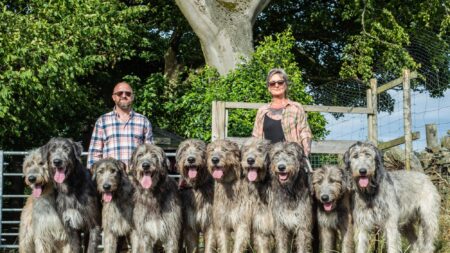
(47, 49)
(190, 114)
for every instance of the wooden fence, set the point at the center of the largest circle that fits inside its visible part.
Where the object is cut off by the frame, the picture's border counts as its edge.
(220, 118)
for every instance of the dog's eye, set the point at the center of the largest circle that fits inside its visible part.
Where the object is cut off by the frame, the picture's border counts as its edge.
(355, 156)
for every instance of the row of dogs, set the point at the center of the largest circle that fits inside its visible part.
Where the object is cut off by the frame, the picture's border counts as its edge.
(259, 196)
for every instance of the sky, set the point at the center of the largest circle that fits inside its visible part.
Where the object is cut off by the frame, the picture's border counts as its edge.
(425, 110)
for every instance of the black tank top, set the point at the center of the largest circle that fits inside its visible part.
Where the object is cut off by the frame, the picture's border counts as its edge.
(272, 130)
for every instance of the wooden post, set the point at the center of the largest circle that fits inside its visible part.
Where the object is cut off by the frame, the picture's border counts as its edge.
(372, 117)
(218, 120)
(407, 117)
(431, 135)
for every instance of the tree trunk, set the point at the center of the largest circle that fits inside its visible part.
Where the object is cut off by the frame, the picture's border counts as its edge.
(224, 28)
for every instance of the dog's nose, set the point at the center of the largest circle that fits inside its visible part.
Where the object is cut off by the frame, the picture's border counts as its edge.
(57, 162)
(281, 167)
(363, 171)
(32, 179)
(146, 166)
(250, 160)
(106, 186)
(325, 198)
(215, 160)
(191, 159)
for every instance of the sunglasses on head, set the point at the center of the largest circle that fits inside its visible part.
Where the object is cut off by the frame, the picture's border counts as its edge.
(273, 83)
(120, 93)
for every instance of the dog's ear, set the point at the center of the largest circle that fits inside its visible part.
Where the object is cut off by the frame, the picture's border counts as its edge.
(346, 179)
(347, 159)
(78, 148)
(93, 171)
(380, 171)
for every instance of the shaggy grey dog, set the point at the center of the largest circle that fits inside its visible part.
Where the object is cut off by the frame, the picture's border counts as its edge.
(41, 229)
(76, 201)
(197, 198)
(231, 199)
(292, 204)
(255, 167)
(117, 198)
(332, 190)
(157, 211)
(394, 201)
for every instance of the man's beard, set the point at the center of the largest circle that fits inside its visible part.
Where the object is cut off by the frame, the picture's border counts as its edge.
(124, 106)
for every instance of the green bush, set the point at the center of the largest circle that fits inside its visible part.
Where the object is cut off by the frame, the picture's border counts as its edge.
(189, 113)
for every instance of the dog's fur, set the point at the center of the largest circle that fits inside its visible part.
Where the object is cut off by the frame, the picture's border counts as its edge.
(117, 197)
(157, 212)
(76, 201)
(255, 167)
(231, 201)
(41, 229)
(332, 190)
(197, 198)
(393, 201)
(292, 204)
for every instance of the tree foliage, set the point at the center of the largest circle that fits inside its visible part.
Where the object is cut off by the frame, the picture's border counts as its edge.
(190, 113)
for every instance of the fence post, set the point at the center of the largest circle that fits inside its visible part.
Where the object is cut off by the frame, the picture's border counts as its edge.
(407, 117)
(218, 120)
(1, 195)
(431, 135)
(372, 103)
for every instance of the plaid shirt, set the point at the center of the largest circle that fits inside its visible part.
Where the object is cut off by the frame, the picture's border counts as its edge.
(116, 139)
(293, 121)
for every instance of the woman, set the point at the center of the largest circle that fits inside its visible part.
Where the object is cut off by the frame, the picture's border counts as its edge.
(282, 119)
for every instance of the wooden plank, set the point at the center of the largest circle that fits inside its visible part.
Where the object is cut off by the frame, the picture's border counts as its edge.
(370, 117)
(394, 83)
(374, 136)
(431, 135)
(308, 108)
(397, 141)
(317, 147)
(218, 120)
(407, 118)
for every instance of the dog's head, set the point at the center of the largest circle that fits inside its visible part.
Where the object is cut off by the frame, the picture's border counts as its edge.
(149, 166)
(287, 162)
(35, 172)
(223, 160)
(255, 159)
(364, 161)
(108, 174)
(191, 160)
(63, 156)
(330, 183)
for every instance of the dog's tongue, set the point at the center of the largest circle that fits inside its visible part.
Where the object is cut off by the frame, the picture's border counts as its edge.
(283, 176)
(37, 190)
(217, 174)
(327, 206)
(192, 173)
(252, 175)
(363, 182)
(146, 181)
(60, 175)
(107, 196)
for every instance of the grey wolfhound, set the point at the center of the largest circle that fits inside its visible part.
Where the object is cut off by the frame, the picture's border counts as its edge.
(231, 200)
(292, 204)
(393, 201)
(117, 197)
(332, 189)
(41, 229)
(255, 167)
(76, 199)
(157, 212)
(197, 199)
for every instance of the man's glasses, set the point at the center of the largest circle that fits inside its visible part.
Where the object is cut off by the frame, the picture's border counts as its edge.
(273, 83)
(120, 93)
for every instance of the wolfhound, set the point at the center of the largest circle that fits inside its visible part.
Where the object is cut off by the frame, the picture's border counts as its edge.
(76, 201)
(394, 201)
(292, 204)
(157, 212)
(332, 189)
(117, 198)
(255, 166)
(231, 200)
(41, 229)
(197, 199)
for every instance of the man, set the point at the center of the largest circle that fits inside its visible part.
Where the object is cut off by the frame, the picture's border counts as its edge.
(119, 132)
